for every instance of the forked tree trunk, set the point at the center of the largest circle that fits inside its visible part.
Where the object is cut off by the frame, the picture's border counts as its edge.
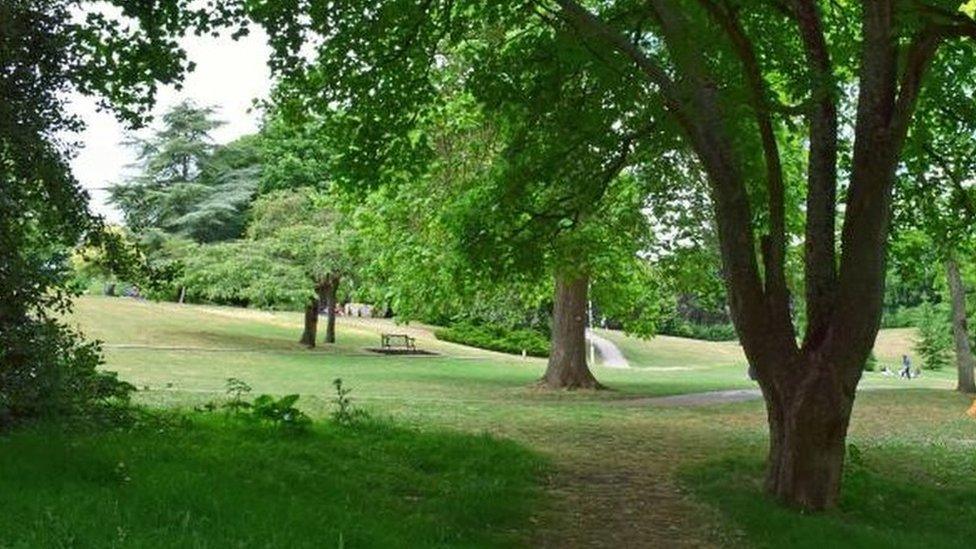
(567, 367)
(960, 331)
(807, 431)
(327, 295)
(311, 324)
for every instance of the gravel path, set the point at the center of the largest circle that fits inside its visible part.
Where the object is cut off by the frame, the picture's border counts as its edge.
(611, 355)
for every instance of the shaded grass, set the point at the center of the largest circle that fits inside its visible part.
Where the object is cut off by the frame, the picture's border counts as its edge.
(908, 481)
(209, 481)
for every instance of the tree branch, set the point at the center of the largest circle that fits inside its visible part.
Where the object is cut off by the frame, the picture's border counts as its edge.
(774, 248)
(820, 260)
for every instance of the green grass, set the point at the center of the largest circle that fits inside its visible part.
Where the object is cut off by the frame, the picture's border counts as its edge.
(213, 482)
(615, 463)
(910, 485)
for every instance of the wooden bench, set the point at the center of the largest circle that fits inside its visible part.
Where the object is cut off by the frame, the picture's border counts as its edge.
(403, 340)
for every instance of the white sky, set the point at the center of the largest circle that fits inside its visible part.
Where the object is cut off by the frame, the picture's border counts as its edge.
(229, 75)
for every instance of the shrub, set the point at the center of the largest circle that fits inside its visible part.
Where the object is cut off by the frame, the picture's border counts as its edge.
(871, 364)
(934, 341)
(280, 412)
(496, 338)
(706, 332)
(48, 370)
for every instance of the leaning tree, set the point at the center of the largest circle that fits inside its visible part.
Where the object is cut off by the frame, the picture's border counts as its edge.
(739, 81)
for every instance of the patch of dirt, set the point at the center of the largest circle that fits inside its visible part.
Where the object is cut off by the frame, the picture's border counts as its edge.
(694, 399)
(623, 492)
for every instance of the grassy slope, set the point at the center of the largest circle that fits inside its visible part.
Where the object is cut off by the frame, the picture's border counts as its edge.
(711, 360)
(613, 458)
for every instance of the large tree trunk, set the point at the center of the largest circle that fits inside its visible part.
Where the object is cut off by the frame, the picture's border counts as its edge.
(567, 367)
(960, 331)
(327, 295)
(311, 324)
(808, 422)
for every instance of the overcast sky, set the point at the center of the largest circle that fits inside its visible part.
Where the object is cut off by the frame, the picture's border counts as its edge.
(229, 75)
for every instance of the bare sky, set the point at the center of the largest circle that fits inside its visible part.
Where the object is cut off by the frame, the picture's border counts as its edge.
(229, 75)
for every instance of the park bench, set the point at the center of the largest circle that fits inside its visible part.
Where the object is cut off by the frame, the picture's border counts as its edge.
(389, 341)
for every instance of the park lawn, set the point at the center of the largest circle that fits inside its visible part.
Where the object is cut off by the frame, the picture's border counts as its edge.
(709, 361)
(623, 471)
(213, 481)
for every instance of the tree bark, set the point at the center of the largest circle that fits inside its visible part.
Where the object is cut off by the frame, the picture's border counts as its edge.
(808, 420)
(567, 368)
(311, 324)
(327, 296)
(960, 331)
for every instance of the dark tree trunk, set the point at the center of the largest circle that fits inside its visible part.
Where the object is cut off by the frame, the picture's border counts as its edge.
(311, 324)
(810, 390)
(960, 330)
(327, 296)
(808, 422)
(567, 367)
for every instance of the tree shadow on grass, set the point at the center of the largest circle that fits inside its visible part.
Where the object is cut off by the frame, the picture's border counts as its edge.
(215, 482)
(882, 506)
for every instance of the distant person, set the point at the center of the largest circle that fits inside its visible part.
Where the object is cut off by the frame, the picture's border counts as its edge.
(885, 371)
(906, 367)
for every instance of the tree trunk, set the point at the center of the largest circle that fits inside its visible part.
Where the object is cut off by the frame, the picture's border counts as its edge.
(960, 330)
(808, 422)
(327, 295)
(567, 367)
(311, 324)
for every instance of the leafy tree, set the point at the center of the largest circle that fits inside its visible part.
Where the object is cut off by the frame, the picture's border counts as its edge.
(934, 342)
(304, 228)
(230, 178)
(724, 78)
(169, 163)
(188, 185)
(542, 238)
(48, 50)
(937, 206)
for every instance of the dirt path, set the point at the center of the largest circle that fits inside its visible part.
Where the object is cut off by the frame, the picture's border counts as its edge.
(695, 399)
(611, 355)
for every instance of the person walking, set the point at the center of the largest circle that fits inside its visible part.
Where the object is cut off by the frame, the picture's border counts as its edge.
(906, 367)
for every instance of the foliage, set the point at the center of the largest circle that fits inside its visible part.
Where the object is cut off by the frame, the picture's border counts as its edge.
(280, 412)
(237, 389)
(707, 332)
(497, 338)
(186, 185)
(295, 240)
(345, 413)
(50, 49)
(870, 365)
(934, 344)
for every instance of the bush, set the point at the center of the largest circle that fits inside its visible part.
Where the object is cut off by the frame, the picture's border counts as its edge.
(706, 332)
(497, 338)
(934, 342)
(48, 370)
(871, 364)
(902, 317)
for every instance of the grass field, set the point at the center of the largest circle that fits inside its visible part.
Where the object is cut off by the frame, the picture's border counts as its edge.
(589, 468)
